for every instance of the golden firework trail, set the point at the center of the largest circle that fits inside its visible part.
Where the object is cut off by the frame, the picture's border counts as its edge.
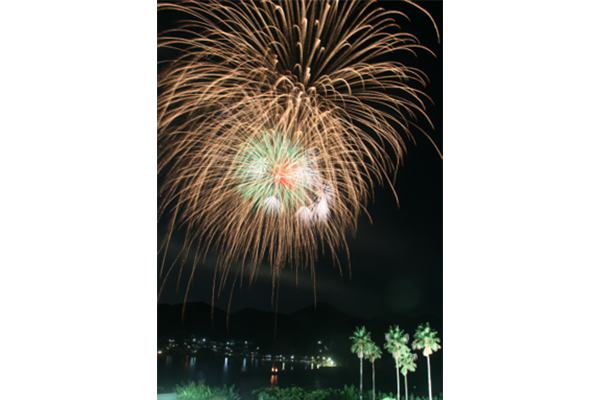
(275, 124)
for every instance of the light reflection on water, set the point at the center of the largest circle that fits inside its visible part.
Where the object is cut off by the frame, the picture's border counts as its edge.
(245, 372)
(192, 366)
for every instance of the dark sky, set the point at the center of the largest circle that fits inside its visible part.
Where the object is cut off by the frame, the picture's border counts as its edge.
(396, 262)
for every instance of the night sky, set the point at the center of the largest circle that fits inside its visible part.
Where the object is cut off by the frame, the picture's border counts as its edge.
(396, 262)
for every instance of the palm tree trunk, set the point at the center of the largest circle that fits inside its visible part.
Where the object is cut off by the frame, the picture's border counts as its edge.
(373, 368)
(398, 381)
(406, 385)
(429, 374)
(361, 368)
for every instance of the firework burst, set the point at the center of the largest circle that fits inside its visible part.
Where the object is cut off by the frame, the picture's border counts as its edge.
(275, 172)
(275, 124)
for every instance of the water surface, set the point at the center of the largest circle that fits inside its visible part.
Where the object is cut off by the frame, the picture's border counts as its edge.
(249, 374)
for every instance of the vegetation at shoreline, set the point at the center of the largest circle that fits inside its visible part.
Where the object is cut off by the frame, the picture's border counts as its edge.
(200, 391)
(347, 393)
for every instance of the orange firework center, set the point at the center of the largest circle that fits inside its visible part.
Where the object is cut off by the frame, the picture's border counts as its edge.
(284, 174)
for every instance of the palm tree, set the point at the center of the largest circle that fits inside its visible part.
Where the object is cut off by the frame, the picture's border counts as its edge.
(396, 341)
(372, 352)
(425, 339)
(407, 363)
(360, 339)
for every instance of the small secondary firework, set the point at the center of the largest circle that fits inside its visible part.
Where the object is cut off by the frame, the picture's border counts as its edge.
(276, 122)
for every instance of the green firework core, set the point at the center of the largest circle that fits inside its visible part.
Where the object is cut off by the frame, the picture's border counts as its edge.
(276, 173)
